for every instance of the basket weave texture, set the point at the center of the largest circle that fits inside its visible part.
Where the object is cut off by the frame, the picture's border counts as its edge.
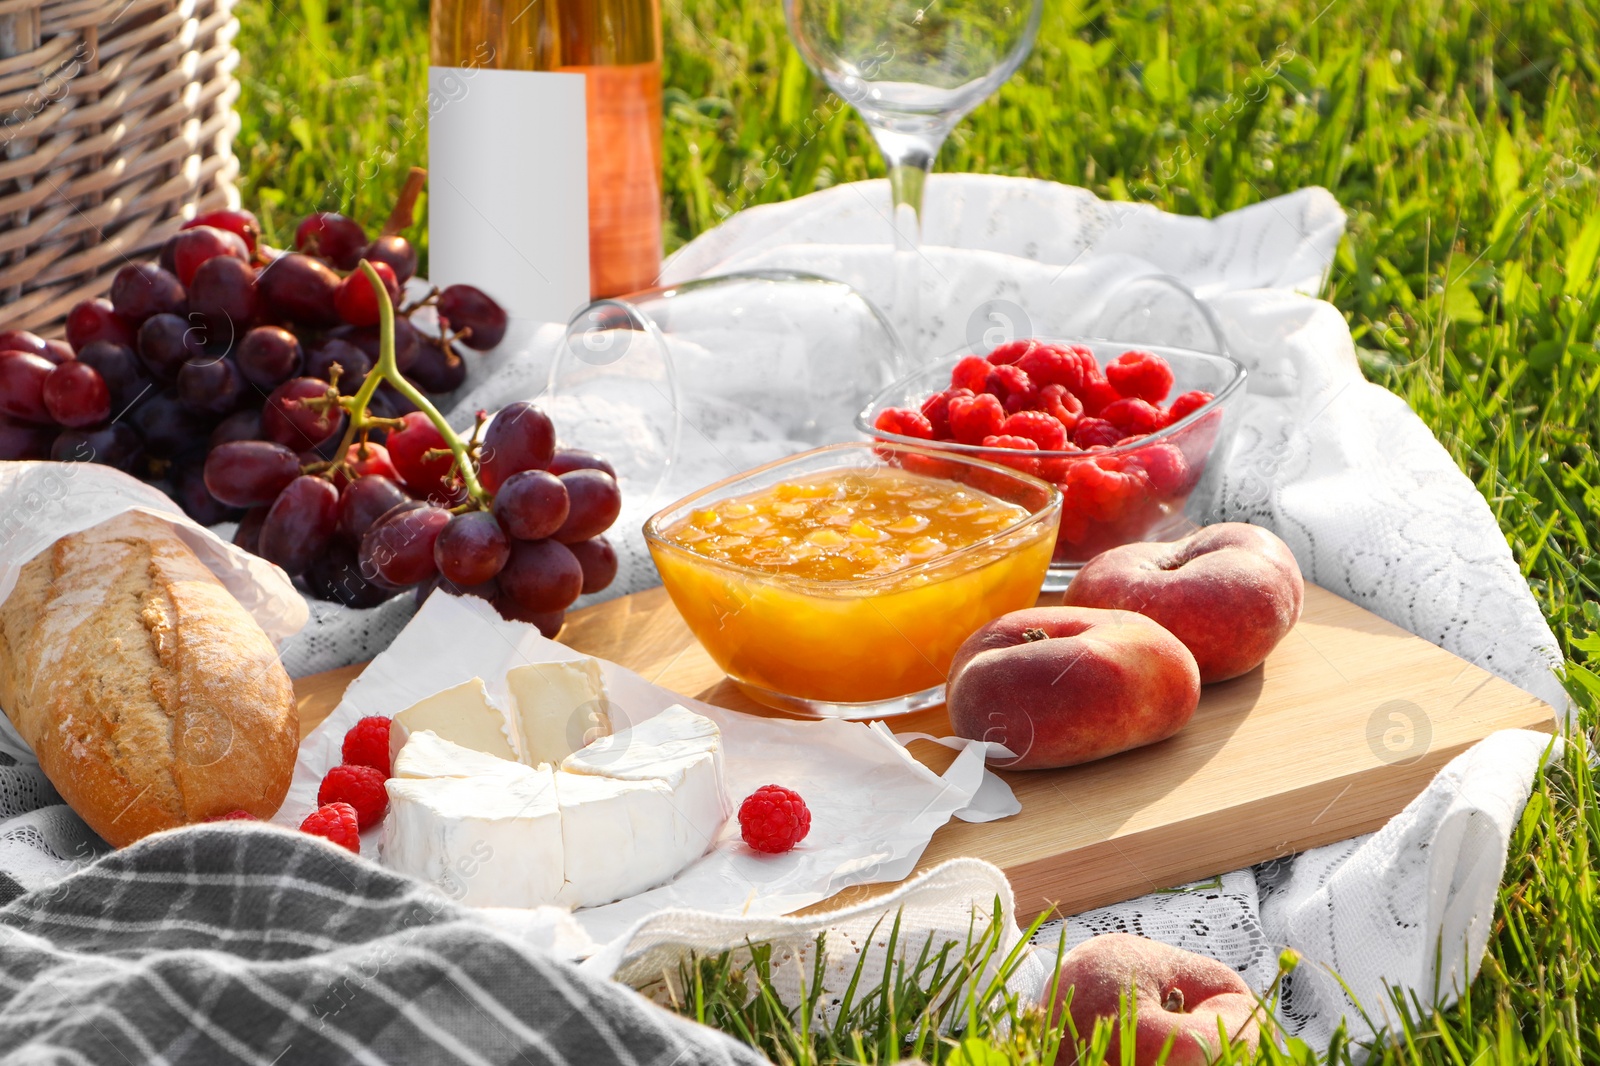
(117, 124)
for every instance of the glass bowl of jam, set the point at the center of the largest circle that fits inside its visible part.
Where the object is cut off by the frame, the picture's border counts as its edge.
(839, 582)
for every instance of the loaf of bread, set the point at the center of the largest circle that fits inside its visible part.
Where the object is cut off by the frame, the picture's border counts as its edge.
(150, 696)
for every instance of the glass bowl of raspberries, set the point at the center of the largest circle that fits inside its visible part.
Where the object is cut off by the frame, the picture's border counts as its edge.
(1127, 433)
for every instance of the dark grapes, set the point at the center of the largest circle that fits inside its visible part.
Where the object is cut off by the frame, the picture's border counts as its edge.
(116, 445)
(18, 440)
(241, 425)
(268, 356)
(76, 395)
(234, 220)
(22, 378)
(398, 549)
(436, 368)
(188, 249)
(532, 504)
(140, 290)
(248, 535)
(166, 342)
(96, 320)
(335, 575)
(594, 502)
(288, 419)
(223, 294)
(300, 289)
(210, 386)
(124, 374)
(407, 447)
(167, 426)
(300, 523)
(520, 437)
(566, 459)
(189, 489)
(541, 575)
(397, 252)
(250, 473)
(549, 623)
(407, 342)
(20, 340)
(333, 237)
(364, 461)
(471, 310)
(366, 500)
(471, 548)
(58, 352)
(599, 562)
(354, 366)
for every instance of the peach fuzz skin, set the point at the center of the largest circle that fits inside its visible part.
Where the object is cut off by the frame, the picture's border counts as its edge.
(1177, 995)
(1230, 592)
(1060, 686)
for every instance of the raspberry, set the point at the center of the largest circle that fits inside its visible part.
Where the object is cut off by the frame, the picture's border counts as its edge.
(773, 819)
(233, 816)
(972, 372)
(1096, 393)
(1061, 405)
(359, 786)
(973, 418)
(905, 422)
(1002, 440)
(1141, 375)
(336, 822)
(1011, 351)
(1005, 382)
(1050, 364)
(1134, 417)
(367, 744)
(1186, 405)
(1168, 469)
(1092, 431)
(936, 409)
(1102, 491)
(1044, 430)
(1020, 401)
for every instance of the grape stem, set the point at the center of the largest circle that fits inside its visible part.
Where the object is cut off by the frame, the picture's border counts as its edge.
(386, 370)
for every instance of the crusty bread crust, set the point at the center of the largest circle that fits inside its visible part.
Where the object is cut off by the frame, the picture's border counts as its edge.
(150, 696)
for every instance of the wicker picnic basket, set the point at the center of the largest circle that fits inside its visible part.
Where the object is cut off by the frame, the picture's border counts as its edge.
(116, 118)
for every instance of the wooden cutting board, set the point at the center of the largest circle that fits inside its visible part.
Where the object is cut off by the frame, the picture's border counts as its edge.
(1341, 727)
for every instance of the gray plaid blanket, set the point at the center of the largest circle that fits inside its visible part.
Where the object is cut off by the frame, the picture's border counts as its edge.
(245, 943)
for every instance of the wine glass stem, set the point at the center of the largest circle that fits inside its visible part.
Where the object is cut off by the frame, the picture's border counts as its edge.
(909, 161)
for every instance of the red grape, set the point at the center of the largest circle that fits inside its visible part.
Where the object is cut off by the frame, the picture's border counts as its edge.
(566, 459)
(470, 309)
(287, 418)
(595, 503)
(140, 290)
(59, 352)
(393, 401)
(241, 425)
(250, 473)
(76, 395)
(123, 373)
(356, 300)
(300, 524)
(248, 535)
(116, 445)
(22, 378)
(20, 340)
(485, 591)
(189, 489)
(354, 366)
(187, 249)
(18, 440)
(336, 575)
(396, 251)
(599, 562)
(541, 575)
(366, 500)
(210, 386)
(234, 220)
(398, 549)
(223, 294)
(167, 426)
(548, 622)
(471, 548)
(532, 504)
(300, 289)
(407, 446)
(96, 320)
(437, 369)
(366, 460)
(268, 356)
(520, 437)
(332, 236)
(407, 342)
(166, 342)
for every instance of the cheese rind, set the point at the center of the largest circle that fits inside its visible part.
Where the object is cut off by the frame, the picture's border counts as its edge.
(462, 714)
(487, 840)
(559, 707)
(619, 838)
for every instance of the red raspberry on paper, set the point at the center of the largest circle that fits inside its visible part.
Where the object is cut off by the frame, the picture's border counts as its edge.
(905, 422)
(359, 786)
(936, 409)
(1061, 405)
(1011, 351)
(973, 418)
(1092, 431)
(234, 816)
(1135, 418)
(367, 744)
(1186, 405)
(1044, 430)
(1140, 375)
(773, 819)
(336, 822)
(972, 372)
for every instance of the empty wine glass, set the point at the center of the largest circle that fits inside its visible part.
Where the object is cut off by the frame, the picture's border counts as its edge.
(912, 69)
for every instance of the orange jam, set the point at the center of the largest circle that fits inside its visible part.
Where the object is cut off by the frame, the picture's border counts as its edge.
(850, 585)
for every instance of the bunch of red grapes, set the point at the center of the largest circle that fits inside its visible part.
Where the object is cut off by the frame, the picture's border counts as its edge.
(223, 372)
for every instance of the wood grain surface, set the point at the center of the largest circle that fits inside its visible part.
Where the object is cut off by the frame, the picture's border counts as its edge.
(1342, 726)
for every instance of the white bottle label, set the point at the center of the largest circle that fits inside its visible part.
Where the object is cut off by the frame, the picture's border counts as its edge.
(508, 190)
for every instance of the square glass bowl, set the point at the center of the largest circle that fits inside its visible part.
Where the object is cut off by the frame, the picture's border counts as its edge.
(1137, 491)
(867, 647)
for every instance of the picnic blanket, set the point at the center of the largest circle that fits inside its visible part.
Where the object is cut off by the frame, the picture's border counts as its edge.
(1372, 505)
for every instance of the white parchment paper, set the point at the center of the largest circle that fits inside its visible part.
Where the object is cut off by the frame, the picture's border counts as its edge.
(873, 806)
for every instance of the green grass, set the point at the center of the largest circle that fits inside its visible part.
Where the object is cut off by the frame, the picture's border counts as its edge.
(1460, 137)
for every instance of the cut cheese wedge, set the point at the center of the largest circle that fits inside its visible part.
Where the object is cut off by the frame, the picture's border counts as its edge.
(560, 707)
(619, 838)
(463, 715)
(428, 755)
